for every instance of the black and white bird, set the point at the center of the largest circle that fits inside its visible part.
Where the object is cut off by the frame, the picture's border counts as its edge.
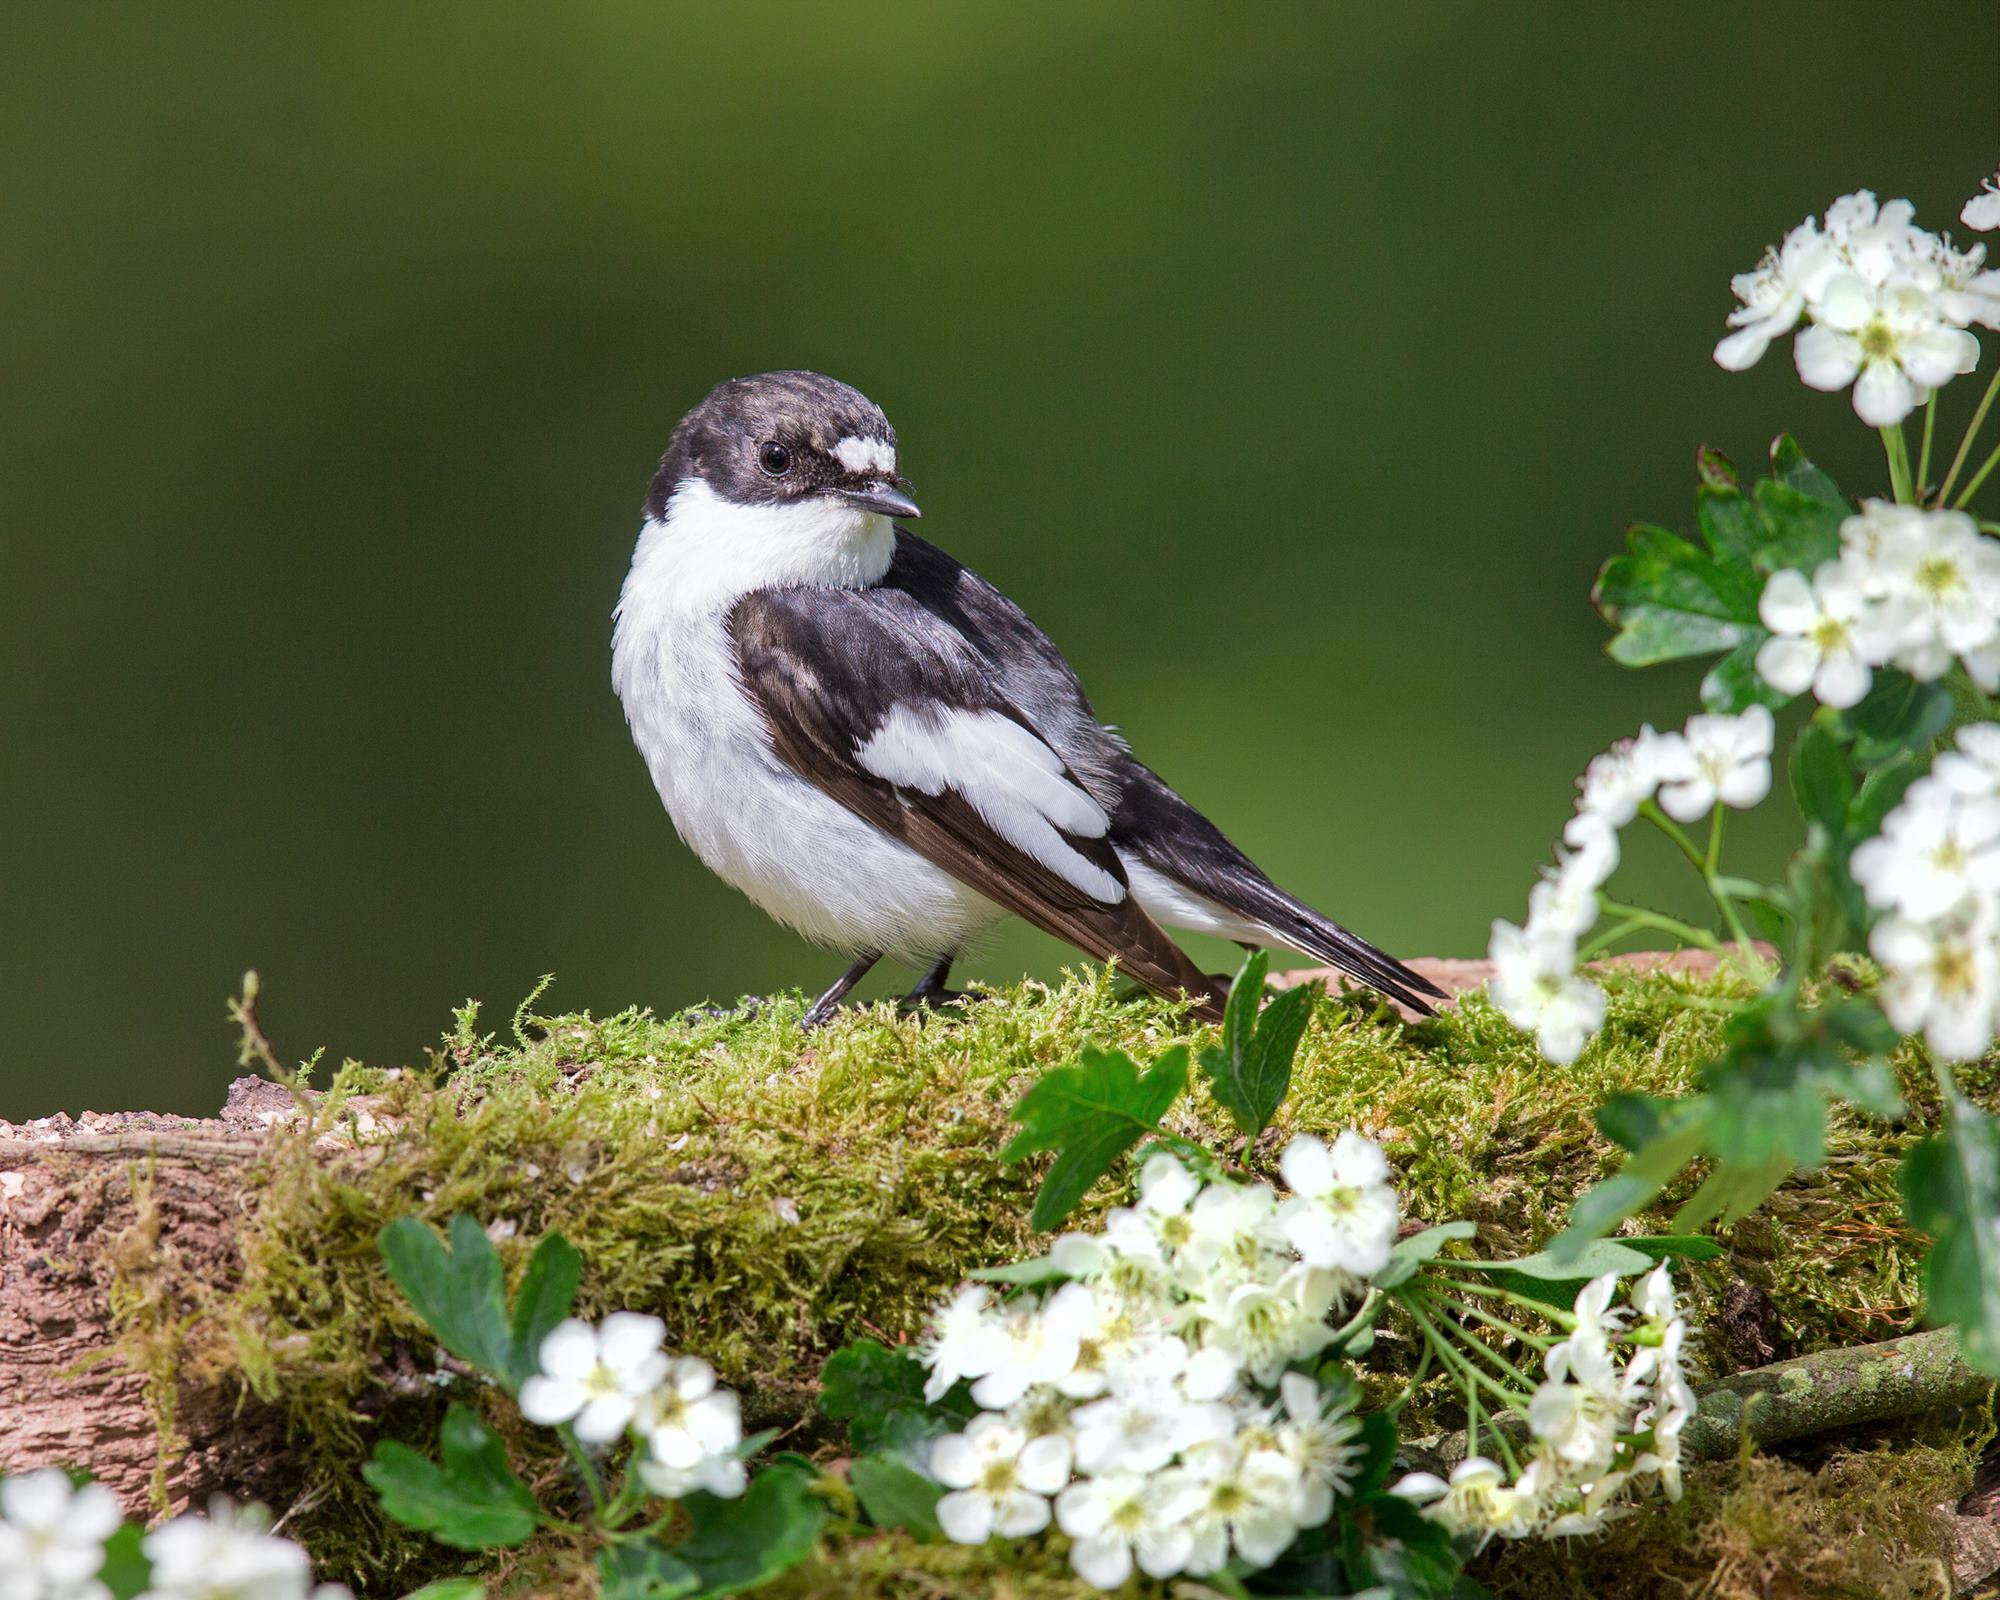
(878, 747)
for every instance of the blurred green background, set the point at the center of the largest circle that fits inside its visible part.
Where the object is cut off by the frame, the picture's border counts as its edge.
(1295, 366)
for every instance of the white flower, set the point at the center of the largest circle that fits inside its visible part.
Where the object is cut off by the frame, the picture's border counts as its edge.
(1123, 1515)
(52, 1535)
(1821, 638)
(1982, 211)
(1943, 980)
(1230, 1231)
(1478, 1501)
(1321, 1437)
(226, 1555)
(1240, 1499)
(1936, 850)
(1723, 758)
(692, 1429)
(963, 1340)
(1775, 295)
(1038, 1342)
(1342, 1213)
(1890, 340)
(1886, 306)
(1000, 1480)
(595, 1375)
(1536, 985)
(1941, 590)
(1167, 1400)
(1615, 783)
(1972, 771)
(1266, 1325)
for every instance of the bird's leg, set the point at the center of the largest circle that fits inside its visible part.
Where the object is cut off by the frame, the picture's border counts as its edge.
(931, 990)
(822, 1009)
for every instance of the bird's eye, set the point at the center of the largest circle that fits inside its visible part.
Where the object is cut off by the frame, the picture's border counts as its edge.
(774, 458)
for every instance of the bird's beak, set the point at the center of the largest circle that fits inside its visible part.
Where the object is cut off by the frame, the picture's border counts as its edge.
(888, 498)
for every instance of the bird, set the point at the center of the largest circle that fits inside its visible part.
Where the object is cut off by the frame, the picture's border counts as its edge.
(879, 748)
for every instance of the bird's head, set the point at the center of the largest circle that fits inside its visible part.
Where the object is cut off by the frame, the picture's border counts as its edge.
(786, 439)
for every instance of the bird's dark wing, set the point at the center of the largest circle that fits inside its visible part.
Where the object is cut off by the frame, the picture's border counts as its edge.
(1170, 836)
(884, 706)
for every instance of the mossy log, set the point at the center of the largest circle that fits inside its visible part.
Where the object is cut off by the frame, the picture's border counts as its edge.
(188, 1305)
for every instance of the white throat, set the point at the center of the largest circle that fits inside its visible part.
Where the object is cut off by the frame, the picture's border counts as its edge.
(706, 553)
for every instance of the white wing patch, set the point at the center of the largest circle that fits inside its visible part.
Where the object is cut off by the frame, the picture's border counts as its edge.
(1013, 780)
(866, 455)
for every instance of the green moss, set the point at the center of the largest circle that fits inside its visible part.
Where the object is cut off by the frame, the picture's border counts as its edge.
(772, 1195)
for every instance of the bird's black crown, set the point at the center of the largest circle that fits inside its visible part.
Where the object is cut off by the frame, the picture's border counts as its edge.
(772, 439)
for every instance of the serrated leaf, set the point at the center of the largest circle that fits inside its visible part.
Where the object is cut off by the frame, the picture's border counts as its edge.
(1250, 1071)
(864, 1381)
(1670, 599)
(1091, 1114)
(1951, 1190)
(460, 1292)
(1799, 531)
(1715, 469)
(738, 1544)
(642, 1570)
(1733, 685)
(547, 1291)
(1790, 466)
(1728, 521)
(473, 1501)
(896, 1495)
(1407, 1255)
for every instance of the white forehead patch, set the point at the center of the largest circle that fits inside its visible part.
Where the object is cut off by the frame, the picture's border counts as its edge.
(866, 455)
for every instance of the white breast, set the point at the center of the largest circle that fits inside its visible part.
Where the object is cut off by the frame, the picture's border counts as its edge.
(802, 857)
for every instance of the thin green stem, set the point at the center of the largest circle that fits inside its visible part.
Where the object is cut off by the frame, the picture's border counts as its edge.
(1423, 1367)
(1971, 432)
(1540, 1341)
(1714, 842)
(1924, 454)
(1650, 810)
(1453, 1359)
(1493, 1291)
(1898, 452)
(1500, 1361)
(1608, 938)
(1370, 1304)
(1979, 477)
(1639, 916)
(587, 1468)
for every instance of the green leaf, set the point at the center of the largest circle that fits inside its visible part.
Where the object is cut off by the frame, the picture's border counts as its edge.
(1728, 521)
(1822, 781)
(1880, 793)
(1091, 1114)
(1799, 531)
(450, 1589)
(1790, 466)
(1679, 1137)
(1898, 714)
(1951, 1190)
(1673, 1246)
(896, 1495)
(1038, 1269)
(460, 1293)
(1732, 685)
(864, 1380)
(1556, 1278)
(1250, 1071)
(472, 1502)
(1409, 1254)
(642, 1570)
(546, 1293)
(1669, 598)
(738, 1544)
(126, 1571)
(1631, 1120)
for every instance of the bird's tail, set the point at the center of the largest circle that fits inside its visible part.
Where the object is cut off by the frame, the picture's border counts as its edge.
(1179, 843)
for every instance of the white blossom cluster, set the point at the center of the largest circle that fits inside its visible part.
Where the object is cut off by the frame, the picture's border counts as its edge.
(1601, 1428)
(1714, 760)
(1887, 305)
(52, 1536)
(1151, 1404)
(615, 1379)
(1935, 870)
(1912, 588)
